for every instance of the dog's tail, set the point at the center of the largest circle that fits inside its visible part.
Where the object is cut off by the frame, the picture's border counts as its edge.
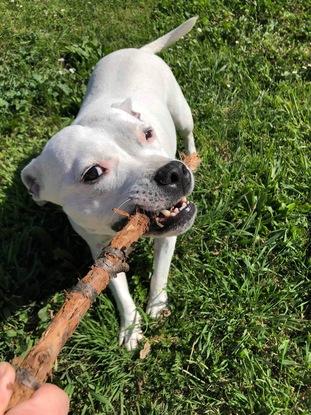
(171, 37)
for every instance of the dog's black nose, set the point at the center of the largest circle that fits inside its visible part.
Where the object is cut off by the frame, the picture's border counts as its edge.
(174, 174)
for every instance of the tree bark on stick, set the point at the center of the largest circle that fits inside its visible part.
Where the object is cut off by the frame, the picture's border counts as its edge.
(34, 369)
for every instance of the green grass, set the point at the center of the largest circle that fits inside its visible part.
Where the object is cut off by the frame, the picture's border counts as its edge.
(238, 340)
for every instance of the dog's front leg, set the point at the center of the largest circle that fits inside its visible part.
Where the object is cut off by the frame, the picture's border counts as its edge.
(163, 252)
(130, 331)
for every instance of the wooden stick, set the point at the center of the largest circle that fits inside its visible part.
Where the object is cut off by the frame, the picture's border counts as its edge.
(192, 160)
(34, 369)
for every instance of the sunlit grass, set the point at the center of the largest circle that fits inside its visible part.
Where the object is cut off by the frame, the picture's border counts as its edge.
(238, 339)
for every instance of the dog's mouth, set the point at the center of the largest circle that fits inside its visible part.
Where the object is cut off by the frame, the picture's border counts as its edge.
(174, 220)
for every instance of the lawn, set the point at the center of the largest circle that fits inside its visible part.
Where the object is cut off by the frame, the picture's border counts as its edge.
(238, 340)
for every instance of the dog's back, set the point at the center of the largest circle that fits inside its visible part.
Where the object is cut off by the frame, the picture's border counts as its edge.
(133, 72)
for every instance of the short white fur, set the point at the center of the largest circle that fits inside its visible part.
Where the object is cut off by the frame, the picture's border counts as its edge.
(129, 90)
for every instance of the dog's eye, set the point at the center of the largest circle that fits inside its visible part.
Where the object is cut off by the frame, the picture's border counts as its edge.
(92, 174)
(148, 133)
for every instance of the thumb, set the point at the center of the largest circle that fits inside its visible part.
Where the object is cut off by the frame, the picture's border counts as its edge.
(47, 400)
(7, 378)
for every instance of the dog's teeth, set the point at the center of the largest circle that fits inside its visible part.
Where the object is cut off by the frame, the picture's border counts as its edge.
(183, 199)
(166, 213)
(183, 206)
(159, 223)
(173, 214)
(176, 210)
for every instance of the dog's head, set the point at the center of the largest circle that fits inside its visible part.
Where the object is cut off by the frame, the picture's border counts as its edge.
(89, 171)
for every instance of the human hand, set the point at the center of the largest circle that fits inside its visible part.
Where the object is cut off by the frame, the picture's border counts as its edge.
(47, 400)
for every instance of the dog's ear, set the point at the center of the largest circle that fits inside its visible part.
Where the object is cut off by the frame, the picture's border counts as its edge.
(126, 106)
(31, 178)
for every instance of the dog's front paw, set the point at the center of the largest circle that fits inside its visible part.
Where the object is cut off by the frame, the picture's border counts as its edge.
(131, 334)
(157, 307)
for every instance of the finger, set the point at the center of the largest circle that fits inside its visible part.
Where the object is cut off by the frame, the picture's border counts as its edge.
(7, 379)
(47, 400)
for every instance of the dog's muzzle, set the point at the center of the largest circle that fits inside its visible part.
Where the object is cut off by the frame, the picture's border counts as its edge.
(168, 209)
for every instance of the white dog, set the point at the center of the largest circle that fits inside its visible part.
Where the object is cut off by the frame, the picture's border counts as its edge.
(120, 153)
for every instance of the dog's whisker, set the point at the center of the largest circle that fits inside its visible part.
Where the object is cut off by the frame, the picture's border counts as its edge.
(120, 206)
